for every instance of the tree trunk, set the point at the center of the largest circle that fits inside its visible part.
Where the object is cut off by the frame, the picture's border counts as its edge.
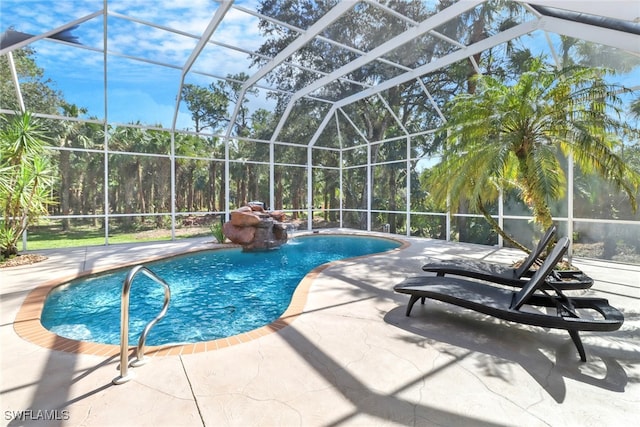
(494, 224)
(393, 192)
(461, 222)
(212, 186)
(65, 184)
(222, 192)
(277, 176)
(190, 189)
(541, 211)
(143, 205)
(295, 197)
(325, 203)
(333, 202)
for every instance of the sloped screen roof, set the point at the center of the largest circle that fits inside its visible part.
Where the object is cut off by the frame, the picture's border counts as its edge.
(129, 62)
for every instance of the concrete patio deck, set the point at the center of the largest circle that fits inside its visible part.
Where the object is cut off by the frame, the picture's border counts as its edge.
(351, 358)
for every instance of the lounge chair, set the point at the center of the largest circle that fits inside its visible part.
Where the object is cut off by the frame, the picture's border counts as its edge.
(572, 314)
(510, 276)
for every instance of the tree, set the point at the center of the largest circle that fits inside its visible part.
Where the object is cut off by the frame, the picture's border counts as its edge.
(513, 137)
(359, 29)
(209, 106)
(635, 108)
(37, 91)
(26, 179)
(206, 110)
(70, 135)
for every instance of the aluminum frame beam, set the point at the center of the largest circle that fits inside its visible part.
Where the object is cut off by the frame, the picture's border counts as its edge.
(320, 25)
(592, 33)
(444, 61)
(424, 27)
(51, 32)
(202, 42)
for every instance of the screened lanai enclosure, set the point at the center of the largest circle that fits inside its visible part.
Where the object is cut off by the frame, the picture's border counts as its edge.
(162, 117)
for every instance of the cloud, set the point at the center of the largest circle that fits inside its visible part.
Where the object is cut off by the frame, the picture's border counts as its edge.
(131, 106)
(239, 29)
(138, 91)
(38, 16)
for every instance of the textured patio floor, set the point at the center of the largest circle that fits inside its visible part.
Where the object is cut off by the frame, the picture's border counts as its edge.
(351, 358)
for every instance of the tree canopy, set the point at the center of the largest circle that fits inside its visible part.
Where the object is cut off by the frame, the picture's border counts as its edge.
(514, 136)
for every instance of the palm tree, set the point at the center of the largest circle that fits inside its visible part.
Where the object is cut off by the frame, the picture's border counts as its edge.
(635, 108)
(70, 136)
(513, 137)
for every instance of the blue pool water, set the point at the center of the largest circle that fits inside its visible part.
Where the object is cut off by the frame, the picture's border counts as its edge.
(214, 294)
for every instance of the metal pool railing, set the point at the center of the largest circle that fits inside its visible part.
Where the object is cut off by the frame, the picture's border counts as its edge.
(124, 322)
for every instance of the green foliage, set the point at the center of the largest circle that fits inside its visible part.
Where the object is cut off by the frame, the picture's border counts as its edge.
(210, 106)
(26, 179)
(513, 137)
(37, 91)
(216, 230)
(7, 235)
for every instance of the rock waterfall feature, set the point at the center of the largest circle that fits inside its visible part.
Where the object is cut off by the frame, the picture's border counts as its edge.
(256, 229)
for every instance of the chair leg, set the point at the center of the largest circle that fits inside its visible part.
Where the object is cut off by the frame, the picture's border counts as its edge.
(578, 342)
(412, 301)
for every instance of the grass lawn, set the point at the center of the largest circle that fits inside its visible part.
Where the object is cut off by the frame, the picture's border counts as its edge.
(48, 237)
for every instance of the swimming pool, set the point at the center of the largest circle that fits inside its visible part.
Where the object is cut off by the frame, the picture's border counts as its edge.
(214, 294)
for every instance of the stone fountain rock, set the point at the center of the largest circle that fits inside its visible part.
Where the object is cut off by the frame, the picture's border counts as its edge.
(256, 229)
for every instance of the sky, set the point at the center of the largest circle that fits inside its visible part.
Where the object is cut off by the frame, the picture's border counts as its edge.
(138, 90)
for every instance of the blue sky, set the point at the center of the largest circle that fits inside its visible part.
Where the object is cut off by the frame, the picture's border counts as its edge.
(137, 90)
(144, 91)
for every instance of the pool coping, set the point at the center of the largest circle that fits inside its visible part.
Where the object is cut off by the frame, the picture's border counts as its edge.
(28, 326)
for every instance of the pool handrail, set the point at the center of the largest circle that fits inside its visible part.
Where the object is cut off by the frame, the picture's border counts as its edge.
(124, 322)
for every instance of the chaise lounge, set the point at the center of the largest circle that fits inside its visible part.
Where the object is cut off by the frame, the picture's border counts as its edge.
(572, 314)
(510, 276)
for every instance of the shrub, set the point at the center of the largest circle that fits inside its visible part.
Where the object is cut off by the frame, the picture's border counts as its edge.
(216, 229)
(26, 179)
